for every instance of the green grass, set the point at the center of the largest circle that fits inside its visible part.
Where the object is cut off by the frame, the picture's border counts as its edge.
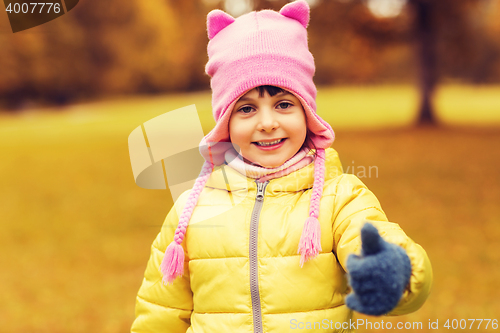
(76, 230)
(368, 107)
(476, 105)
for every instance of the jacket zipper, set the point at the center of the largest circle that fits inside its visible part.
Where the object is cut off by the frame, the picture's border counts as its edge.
(254, 276)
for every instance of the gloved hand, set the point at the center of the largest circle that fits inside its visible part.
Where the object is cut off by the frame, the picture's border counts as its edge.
(379, 276)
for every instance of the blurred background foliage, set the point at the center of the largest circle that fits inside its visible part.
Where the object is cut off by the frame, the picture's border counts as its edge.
(157, 46)
(76, 229)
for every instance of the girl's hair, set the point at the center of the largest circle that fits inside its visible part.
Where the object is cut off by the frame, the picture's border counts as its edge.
(272, 91)
(310, 143)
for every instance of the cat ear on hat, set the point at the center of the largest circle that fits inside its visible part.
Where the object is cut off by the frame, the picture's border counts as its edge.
(216, 21)
(297, 10)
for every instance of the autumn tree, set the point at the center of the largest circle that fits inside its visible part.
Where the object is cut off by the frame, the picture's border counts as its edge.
(449, 42)
(116, 48)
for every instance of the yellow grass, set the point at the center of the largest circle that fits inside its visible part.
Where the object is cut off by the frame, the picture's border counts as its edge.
(76, 230)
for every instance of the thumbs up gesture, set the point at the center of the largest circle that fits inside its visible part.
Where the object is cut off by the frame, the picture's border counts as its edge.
(379, 276)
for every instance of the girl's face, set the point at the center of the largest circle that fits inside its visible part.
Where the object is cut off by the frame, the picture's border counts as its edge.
(269, 130)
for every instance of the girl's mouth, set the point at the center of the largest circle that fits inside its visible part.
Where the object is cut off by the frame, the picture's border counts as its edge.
(268, 145)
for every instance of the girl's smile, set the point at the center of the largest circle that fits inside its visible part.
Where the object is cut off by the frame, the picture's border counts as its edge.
(270, 145)
(268, 130)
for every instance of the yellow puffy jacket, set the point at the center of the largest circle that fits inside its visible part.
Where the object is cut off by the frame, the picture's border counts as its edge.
(242, 270)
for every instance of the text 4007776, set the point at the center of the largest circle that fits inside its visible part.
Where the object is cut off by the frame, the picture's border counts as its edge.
(25, 7)
(469, 323)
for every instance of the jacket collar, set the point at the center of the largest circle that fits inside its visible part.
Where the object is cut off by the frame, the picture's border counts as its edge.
(226, 178)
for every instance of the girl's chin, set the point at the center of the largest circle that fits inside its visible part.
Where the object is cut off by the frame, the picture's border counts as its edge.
(264, 164)
(270, 164)
(272, 160)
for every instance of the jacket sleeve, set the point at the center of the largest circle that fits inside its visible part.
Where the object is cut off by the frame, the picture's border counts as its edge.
(159, 307)
(355, 205)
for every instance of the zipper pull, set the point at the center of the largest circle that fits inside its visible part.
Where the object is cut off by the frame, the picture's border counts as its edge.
(260, 190)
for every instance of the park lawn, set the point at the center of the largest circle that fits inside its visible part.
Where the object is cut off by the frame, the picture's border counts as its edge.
(77, 230)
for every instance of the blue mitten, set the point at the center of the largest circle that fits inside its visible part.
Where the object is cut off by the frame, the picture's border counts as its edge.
(379, 276)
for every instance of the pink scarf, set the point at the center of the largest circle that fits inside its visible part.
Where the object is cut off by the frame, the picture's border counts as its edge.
(296, 162)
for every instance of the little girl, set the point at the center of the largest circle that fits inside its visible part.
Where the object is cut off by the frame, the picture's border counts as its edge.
(273, 236)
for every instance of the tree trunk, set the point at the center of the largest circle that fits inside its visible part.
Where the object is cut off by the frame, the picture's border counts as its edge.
(426, 52)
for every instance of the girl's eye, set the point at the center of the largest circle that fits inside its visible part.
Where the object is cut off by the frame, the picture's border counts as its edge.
(245, 109)
(284, 105)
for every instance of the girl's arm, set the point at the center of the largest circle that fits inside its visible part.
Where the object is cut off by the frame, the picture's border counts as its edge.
(354, 206)
(161, 308)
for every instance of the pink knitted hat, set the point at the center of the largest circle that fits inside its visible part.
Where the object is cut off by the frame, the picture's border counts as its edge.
(258, 48)
(262, 48)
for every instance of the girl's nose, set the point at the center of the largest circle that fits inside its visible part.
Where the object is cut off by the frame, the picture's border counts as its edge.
(267, 121)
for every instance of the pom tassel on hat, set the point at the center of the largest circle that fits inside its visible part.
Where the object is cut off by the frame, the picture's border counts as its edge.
(310, 240)
(172, 265)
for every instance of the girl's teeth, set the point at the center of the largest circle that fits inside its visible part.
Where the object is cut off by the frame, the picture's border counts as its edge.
(268, 143)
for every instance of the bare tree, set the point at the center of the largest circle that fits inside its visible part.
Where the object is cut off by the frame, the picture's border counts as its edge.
(425, 43)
